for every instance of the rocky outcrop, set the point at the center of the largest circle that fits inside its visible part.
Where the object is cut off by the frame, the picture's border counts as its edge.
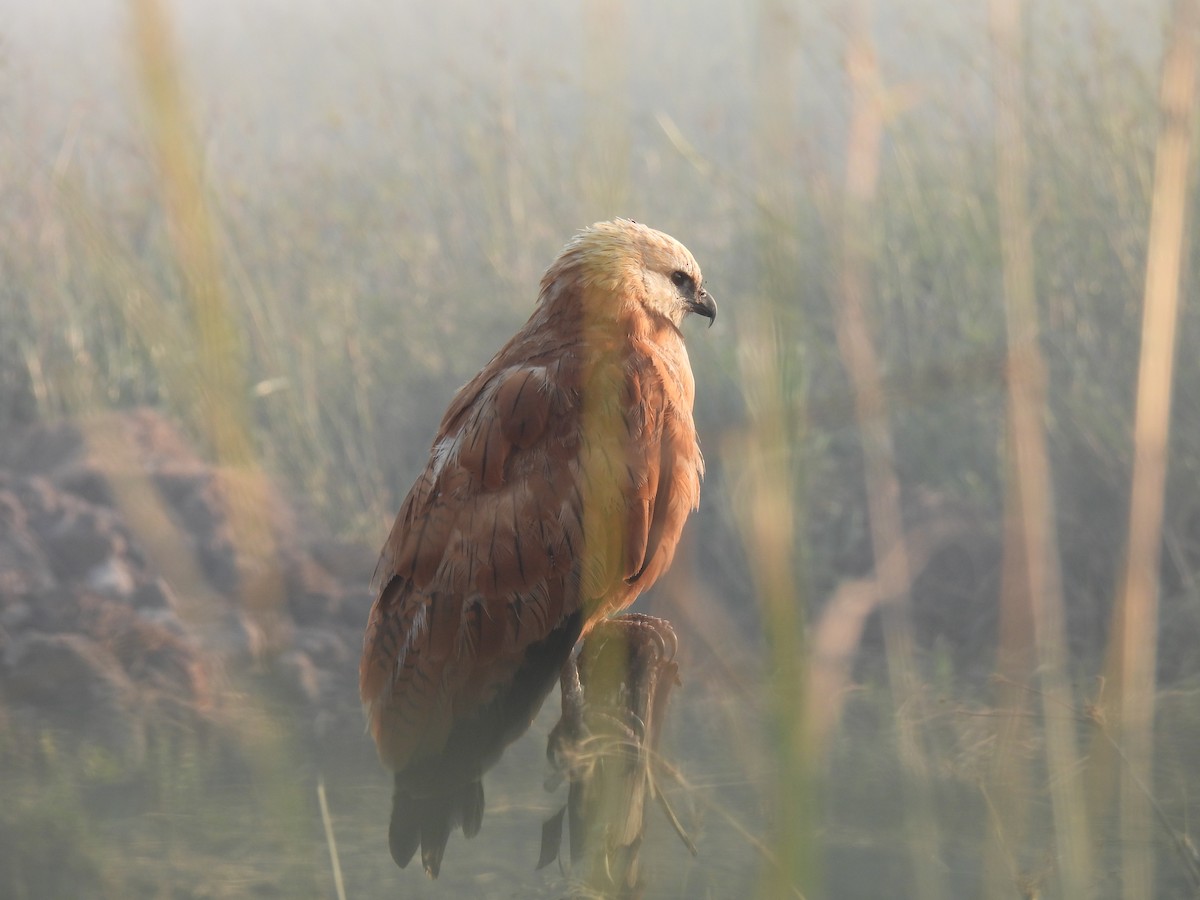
(127, 602)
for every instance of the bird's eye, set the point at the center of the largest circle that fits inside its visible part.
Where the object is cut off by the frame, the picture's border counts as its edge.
(680, 278)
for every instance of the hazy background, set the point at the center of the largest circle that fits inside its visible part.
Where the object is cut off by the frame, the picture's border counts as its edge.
(296, 252)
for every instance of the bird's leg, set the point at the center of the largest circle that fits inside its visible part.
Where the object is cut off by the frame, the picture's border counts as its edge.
(562, 750)
(572, 693)
(563, 744)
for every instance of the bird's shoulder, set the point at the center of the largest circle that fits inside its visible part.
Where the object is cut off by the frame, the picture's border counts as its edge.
(495, 463)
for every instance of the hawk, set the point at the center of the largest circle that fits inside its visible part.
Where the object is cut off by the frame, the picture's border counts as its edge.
(555, 493)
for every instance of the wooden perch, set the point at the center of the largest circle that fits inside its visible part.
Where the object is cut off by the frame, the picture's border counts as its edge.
(605, 746)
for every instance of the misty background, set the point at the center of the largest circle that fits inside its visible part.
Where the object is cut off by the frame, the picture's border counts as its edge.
(248, 254)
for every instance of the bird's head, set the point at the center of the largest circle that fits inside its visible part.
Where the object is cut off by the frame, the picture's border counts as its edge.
(621, 267)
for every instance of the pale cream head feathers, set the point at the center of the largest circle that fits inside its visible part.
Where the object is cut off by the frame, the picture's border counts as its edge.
(632, 265)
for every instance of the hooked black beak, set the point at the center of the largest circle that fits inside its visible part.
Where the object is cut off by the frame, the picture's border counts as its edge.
(704, 305)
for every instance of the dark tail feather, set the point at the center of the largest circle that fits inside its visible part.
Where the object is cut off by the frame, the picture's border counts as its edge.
(434, 835)
(472, 808)
(426, 821)
(404, 832)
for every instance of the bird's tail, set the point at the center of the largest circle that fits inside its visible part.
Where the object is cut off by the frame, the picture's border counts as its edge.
(426, 820)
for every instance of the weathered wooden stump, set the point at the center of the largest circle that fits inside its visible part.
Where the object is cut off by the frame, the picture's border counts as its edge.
(605, 745)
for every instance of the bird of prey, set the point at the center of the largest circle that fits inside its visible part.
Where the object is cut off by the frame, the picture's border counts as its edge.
(555, 493)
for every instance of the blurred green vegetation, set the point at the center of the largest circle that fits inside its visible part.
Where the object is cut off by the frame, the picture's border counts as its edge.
(386, 183)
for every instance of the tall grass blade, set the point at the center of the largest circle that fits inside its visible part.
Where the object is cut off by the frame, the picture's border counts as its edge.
(1031, 485)
(1135, 634)
(893, 574)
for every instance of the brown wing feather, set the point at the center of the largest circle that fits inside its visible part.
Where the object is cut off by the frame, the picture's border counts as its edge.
(474, 539)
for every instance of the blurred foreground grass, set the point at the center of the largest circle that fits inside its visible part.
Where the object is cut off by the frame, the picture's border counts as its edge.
(929, 237)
